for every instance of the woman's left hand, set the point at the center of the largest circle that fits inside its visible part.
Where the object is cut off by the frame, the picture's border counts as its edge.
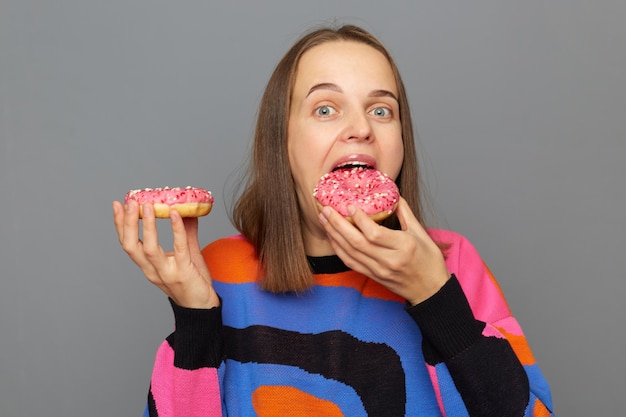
(407, 261)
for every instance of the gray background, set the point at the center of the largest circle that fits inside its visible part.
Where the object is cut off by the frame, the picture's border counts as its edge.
(520, 107)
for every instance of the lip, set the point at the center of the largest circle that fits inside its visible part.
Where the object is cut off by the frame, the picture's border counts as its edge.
(355, 157)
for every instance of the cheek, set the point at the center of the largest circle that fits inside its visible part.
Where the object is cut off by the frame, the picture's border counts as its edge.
(394, 156)
(296, 149)
(299, 150)
(294, 144)
(305, 146)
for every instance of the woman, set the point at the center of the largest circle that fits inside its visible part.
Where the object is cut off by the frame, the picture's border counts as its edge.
(307, 314)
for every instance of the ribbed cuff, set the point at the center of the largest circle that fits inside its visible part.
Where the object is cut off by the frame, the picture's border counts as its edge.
(446, 320)
(198, 339)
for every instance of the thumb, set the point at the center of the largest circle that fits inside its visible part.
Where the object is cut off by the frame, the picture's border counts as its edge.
(407, 219)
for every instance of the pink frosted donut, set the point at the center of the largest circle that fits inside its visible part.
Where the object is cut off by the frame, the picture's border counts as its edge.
(188, 201)
(372, 191)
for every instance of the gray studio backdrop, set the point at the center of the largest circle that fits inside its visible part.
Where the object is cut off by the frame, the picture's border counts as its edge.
(520, 108)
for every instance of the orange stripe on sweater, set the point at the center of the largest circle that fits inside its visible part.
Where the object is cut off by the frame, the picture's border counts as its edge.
(520, 347)
(540, 410)
(232, 260)
(281, 401)
(366, 286)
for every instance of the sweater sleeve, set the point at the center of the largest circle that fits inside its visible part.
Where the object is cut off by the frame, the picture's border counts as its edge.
(185, 380)
(476, 353)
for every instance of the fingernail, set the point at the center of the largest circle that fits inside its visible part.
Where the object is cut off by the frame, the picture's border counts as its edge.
(351, 210)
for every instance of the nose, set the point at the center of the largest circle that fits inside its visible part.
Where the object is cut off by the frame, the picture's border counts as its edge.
(358, 127)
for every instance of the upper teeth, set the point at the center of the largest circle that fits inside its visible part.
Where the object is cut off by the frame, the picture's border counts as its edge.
(352, 164)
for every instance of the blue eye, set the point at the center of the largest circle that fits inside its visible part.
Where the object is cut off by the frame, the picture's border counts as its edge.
(381, 112)
(325, 111)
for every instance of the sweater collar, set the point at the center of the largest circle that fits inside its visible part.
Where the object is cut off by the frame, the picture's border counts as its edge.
(331, 264)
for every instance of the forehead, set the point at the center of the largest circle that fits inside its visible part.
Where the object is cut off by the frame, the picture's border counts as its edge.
(343, 62)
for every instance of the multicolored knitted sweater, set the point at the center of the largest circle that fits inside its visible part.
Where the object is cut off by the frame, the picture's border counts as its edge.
(348, 347)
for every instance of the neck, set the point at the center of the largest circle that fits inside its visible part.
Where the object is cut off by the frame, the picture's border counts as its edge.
(316, 242)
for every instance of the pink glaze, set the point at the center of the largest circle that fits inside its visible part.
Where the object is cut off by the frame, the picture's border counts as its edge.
(369, 189)
(170, 196)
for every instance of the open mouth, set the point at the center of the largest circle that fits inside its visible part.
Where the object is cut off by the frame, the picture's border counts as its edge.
(352, 165)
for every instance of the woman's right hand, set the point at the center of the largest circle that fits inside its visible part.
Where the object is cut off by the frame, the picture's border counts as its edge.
(181, 274)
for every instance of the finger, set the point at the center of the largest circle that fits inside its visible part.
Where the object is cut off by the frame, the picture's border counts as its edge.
(151, 246)
(373, 232)
(130, 227)
(148, 254)
(407, 219)
(191, 230)
(369, 257)
(355, 259)
(349, 238)
(329, 219)
(180, 243)
(409, 222)
(118, 219)
(335, 225)
(195, 252)
(129, 219)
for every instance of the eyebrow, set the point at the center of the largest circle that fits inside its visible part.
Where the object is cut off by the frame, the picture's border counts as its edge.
(335, 87)
(324, 86)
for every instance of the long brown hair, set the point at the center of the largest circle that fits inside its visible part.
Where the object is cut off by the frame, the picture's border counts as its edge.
(267, 212)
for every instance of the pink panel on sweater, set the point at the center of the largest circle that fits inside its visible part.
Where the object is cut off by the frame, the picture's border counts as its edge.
(482, 291)
(179, 392)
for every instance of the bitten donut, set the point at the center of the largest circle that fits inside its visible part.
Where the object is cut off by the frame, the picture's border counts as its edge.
(372, 191)
(188, 201)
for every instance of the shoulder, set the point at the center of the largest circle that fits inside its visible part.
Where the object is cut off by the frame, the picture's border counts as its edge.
(478, 283)
(458, 250)
(454, 241)
(231, 258)
(230, 244)
(445, 236)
